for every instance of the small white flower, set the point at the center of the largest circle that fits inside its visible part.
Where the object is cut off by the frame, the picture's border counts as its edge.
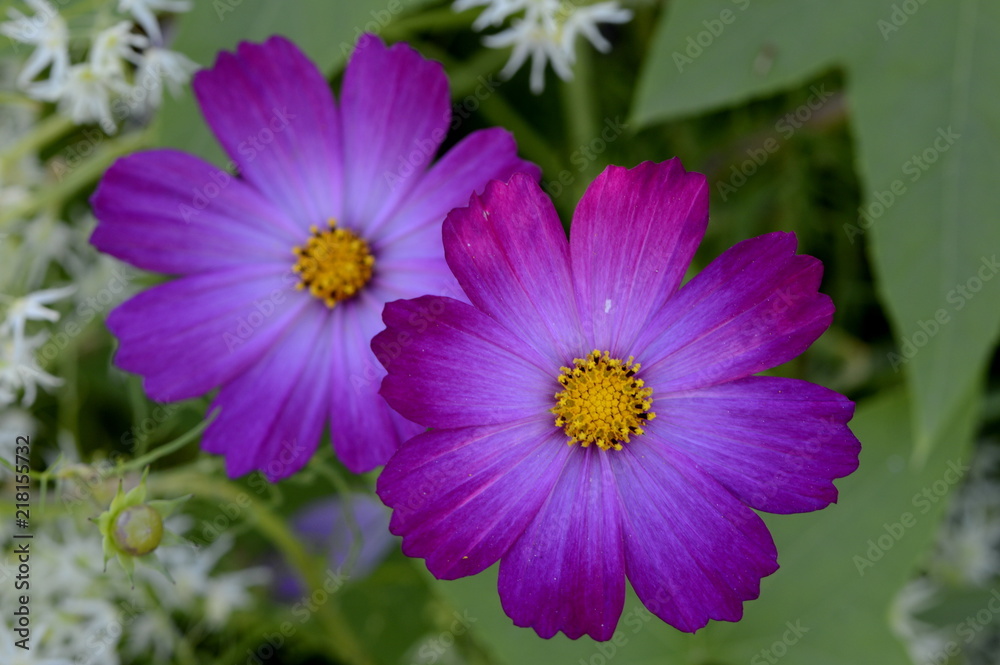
(30, 308)
(48, 32)
(23, 373)
(496, 12)
(115, 44)
(161, 67)
(84, 95)
(191, 568)
(584, 21)
(546, 31)
(144, 12)
(535, 39)
(923, 640)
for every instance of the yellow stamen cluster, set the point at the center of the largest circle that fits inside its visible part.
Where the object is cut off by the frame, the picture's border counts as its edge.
(602, 402)
(334, 264)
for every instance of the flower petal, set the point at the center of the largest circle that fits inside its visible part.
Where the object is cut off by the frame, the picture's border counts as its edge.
(510, 254)
(693, 552)
(365, 432)
(193, 334)
(272, 416)
(408, 248)
(777, 444)
(450, 365)
(396, 113)
(751, 309)
(167, 211)
(566, 571)
(484, 155)
(461, 497)
(634, 234)
(273, 112)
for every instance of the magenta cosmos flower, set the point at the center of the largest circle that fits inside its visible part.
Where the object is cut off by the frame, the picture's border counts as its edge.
(594, 342)
(284, 269)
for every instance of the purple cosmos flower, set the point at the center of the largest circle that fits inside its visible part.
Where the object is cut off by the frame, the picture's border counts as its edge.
(285, 268)
(594, 342)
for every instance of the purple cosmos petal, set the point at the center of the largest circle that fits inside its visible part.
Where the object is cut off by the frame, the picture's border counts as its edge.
(634, 234)
(272, 416)
(777, 444)
(510, 254)
(170, 212)
(566, 571)
(484, 155)
(396, 112)
(193, 334)
(274, 113)
(693, 552)
(751, 309)
(413, 267)
(364, 430)
(409, 249)
(450, 365)
(461, 497)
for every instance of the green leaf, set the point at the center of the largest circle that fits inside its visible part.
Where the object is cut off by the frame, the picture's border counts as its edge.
(385, 609)
(824, 591)
(325, 31)
(927, 127)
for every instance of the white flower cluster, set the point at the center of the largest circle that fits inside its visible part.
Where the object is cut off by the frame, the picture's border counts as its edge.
(967, 556)
(125, 68)
(19, 369)
(84, 615)
(546, 30)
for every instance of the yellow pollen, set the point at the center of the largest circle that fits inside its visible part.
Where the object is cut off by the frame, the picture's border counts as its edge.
(334, 264)
(601, 401)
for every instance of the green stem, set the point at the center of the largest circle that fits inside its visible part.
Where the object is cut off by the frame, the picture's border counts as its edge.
(340, 636)
(82, 177)
(340, 484)
(168, 448)
(43, 133)
(580, 114)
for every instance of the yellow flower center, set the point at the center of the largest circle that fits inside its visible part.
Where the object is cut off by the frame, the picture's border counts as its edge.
(601, 401)
(334, 264)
